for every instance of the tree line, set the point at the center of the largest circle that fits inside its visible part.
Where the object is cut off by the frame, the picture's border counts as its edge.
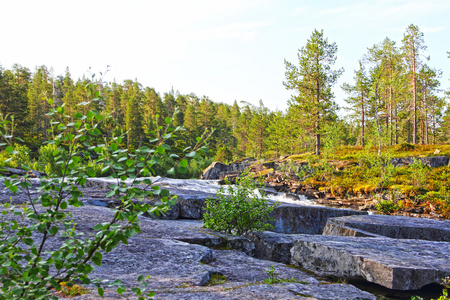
(394, 98)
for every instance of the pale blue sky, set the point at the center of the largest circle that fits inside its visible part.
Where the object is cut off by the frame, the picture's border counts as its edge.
(225, 50)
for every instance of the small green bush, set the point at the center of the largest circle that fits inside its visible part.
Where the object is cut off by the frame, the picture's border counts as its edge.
(386, 206)
(46, 160)
(20, 155)
(240, 210)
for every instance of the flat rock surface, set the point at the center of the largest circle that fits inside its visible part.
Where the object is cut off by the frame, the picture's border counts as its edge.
(390, 226)
(180, 270)
(289, 218)
(395, 264)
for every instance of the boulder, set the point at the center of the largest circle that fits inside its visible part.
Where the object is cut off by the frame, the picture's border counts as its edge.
(432, 162)
(395, 264)
(397, 227)
(214, 171)
(291, 218)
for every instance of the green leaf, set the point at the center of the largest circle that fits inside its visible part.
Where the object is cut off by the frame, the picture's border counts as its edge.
(9, 149)
(13, 189)
(110, 194)
(182, 170)
(129, 162)
(97, 227)
(191, 154)
(100, 291)
(97, 258)
(114, 147)
(90, 114)
(171, 172)
(184, 163)
(160, 149)
(168, 120)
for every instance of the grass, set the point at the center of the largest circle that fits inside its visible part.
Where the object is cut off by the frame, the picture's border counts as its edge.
(71, 290)
(360, 171)
(350, 153)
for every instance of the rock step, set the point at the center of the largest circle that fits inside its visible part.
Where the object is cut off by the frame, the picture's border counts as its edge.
(395, 264)
(397, 227)
(295, 219)
(273, 246)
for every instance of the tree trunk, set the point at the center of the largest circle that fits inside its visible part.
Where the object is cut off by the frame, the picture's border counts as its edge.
(390, 114)
(414, 96)
(362, 119)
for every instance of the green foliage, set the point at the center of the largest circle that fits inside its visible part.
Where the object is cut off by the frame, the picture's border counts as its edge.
(223, 155)
(239, 210)
(30, 269)
(386, 206)
(404, 147)
(418, 173)
(215, 279)
(46, 160)
(15, 156)
(273, 277)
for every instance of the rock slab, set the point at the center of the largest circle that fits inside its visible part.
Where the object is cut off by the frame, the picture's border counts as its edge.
(395, 264)
(290, 218)
(397, 227)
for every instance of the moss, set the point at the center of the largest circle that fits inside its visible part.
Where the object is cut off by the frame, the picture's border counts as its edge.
(216, 279)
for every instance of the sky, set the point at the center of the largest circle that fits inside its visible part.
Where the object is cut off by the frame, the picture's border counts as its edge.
(225, 50)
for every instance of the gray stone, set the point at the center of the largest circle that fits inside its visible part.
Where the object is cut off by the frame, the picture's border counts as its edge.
(334, 228)
(432, 162)
(239, 267)
(291, 218)
(398, 227)
(395, 264)
(329, 291)
(273, 246)
(214, 171)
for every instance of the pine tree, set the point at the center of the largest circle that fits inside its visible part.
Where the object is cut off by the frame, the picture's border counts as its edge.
(38, 94)
(131, 98)
(313, 80)
(359, 95)
(257, 130)
(413, 44)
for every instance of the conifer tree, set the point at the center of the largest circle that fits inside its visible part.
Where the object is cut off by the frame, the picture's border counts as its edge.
(38, 94)
(359, 96)
(312, 81)
(257, 130)
(413, 44)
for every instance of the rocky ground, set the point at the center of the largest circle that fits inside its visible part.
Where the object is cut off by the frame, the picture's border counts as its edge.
(317, 251)
(281, 175)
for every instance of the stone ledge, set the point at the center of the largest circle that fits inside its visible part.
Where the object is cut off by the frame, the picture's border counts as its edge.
(397, 227)
(395, 264)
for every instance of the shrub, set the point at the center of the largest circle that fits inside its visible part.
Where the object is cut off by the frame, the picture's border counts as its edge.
(242, 209)
(386, 206)
(15, 158)
(46, 160)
